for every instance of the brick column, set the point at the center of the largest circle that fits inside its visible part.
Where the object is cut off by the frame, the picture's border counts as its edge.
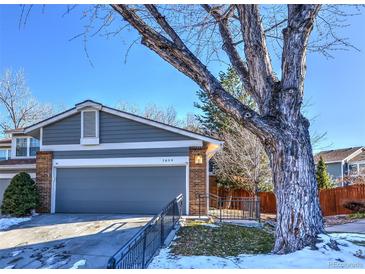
(197, 181)
(44, 179)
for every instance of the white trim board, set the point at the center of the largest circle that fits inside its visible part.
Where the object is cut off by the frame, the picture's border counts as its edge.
(352, 155)
(132, 145)
(121, 162)
(15, 166)
(11, 175)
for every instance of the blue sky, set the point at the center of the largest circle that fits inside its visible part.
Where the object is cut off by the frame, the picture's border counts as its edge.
(58, 72)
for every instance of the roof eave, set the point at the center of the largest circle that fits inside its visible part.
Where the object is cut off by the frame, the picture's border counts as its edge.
(123, 114)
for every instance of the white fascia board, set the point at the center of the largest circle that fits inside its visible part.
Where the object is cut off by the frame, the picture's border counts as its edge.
(11, 175)
(357, 152)
(132, 145)
(15, 166)
(121, 162)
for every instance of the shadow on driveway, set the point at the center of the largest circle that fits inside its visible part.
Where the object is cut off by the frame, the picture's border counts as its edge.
(61, 240)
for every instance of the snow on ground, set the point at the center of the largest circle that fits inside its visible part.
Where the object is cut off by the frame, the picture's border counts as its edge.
(78, 264)
(8, 222)
(211, 225)
(349, 256)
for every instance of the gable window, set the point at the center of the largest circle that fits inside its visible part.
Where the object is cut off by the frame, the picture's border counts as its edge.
(21, 147)
(353, 169)
(33, 146)
(362, 169)
(26, 147)
(89, 127)
(4, 154)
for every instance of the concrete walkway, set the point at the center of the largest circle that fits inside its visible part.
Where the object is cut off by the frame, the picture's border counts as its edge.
(355, 227)
(67, 240)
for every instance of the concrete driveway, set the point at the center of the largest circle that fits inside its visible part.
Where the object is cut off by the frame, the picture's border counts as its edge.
(67, 240)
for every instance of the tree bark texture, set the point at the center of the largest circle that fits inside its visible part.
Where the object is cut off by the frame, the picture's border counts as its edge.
(299, 217)
(278, 123)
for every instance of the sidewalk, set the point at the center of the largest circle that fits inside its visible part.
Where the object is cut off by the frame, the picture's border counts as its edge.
(355, 227)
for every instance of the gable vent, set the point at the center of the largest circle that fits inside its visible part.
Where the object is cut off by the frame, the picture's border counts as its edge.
(89, 124)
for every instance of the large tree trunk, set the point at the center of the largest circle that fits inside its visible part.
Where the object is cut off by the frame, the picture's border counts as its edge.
(299, 217)
(278, 122)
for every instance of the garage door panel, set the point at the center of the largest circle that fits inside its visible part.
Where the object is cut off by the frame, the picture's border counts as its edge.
(137, 190)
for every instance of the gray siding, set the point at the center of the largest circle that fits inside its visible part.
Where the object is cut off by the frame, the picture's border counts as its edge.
(334, 170)
(121, 153)
(112, 129)
(134, 190)
(3, 185)
(64, 132)
(115, 129)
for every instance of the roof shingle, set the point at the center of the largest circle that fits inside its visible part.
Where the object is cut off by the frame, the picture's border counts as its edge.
(336, 155)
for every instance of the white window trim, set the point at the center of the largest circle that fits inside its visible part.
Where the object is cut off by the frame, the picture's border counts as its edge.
(7, 155)
(13, 147)
(357, 164)
(357, 169)
(119, 162)
(90, 140)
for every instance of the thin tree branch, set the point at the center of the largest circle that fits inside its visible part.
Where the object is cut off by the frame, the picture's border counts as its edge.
(229, 47)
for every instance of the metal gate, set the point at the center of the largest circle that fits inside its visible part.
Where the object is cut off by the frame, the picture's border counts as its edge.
(230, 208)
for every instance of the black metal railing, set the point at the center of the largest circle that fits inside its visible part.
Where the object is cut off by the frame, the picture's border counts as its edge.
(230, 208)
(140, 250)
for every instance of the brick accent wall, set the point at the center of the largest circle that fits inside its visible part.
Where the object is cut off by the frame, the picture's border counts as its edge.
(197, 181)
(44, 179)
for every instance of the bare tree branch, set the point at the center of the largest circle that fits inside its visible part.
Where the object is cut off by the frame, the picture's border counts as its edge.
(190, 65)
(261, 74)
(296, 35)
(229, 47)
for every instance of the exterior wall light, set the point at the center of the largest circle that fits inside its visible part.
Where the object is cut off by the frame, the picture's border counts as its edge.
(198, 159)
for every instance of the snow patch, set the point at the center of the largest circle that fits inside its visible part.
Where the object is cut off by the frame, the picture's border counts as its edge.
(16, 253)
(349, 256)
(8, 222)
(78, 264)
(211, 225)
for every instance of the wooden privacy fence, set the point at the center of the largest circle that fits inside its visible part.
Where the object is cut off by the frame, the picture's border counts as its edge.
(331, 200)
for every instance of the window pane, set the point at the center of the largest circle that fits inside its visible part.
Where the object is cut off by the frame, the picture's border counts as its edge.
(89, 123)
(21, 147)
(353, 169)
(2, 154)
(34, 147)
(9, 153)
(362, 169)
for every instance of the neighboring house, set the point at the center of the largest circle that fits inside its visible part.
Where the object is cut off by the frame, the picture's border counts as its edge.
(15, 156)
(96, 159)
(344, 162)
